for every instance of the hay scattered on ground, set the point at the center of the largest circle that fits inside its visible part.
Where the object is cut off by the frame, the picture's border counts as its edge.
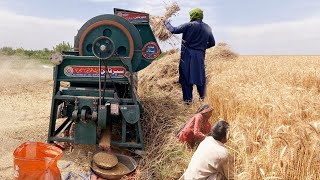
(164, 112)
(159, 30)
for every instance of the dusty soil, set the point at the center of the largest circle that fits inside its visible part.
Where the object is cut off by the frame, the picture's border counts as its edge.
(25, 96)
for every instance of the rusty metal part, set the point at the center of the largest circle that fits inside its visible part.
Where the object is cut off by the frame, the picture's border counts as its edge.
(59, 111)
(94, 116)
(76, 111)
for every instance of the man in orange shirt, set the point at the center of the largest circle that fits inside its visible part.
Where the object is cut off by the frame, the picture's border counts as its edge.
(196, 129)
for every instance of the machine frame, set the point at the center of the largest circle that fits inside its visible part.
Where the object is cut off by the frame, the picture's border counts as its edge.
(101, 92)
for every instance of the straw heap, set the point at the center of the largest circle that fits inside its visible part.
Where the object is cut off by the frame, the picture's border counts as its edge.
(164, 112)
(221, 51)
(162, 76)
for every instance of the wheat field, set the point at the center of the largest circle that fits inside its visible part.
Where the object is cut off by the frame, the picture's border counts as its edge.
(273, 105)
(271, 102)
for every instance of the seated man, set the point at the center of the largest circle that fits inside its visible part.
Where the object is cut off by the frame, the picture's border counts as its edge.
(196, 129)
(211, 159)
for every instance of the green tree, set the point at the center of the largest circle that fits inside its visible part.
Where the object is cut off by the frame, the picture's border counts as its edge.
(46, 50)
(20, 51)
(62, 47)
(7, 51)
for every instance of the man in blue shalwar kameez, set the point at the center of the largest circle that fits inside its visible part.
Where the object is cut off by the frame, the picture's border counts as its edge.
(196, 38)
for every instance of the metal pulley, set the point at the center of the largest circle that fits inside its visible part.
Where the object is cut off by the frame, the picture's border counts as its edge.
(85, 114)
(103, 47)
(131, 113)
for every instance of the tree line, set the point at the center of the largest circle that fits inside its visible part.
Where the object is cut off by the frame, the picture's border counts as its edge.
(45, 53)
(36, 54)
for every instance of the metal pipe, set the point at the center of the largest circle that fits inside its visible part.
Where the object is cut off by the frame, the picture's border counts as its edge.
(100, 103)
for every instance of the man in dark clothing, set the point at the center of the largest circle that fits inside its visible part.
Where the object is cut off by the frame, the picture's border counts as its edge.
(196, 38)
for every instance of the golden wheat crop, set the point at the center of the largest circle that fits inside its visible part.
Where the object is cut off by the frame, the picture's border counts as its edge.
(271, 102)
(273, 105)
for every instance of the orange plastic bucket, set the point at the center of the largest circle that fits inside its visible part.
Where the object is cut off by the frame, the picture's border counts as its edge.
(36, 160)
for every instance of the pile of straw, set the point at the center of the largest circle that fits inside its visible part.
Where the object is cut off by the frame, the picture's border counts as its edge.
(157, 22)
(162, 76)
(164, 112)
(221, 51)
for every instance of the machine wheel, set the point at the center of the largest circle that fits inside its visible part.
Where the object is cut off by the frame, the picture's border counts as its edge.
(103, 47)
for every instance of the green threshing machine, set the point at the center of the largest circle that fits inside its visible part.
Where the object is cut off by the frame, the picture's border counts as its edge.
(99, 104)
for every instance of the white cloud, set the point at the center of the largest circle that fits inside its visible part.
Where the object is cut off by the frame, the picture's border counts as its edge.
(109, 2)
(31, 32)
(34, 32)
(293, 37)
(157, 7)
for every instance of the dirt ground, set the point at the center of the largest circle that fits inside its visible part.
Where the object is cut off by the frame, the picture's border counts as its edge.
(25, 96)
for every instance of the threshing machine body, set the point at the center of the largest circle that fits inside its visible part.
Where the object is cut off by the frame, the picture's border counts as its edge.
(95, 85)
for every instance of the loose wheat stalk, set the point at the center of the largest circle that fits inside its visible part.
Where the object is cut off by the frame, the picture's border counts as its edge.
(157, 23)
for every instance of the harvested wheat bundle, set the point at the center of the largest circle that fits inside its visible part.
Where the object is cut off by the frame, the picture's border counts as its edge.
(159, 30)
(171, 10)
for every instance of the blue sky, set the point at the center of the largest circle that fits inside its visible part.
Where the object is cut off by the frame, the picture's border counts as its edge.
(249, 27)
